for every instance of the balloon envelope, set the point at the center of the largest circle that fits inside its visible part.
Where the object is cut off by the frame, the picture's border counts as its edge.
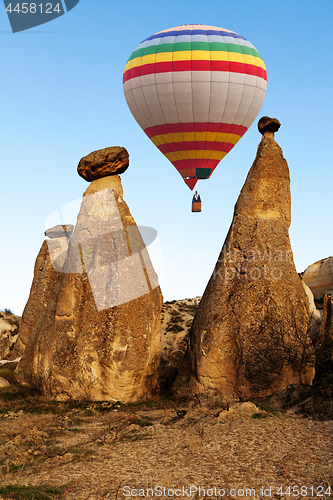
(195, 90)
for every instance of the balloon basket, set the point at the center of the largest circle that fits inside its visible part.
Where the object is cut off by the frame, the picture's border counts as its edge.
(196, 206)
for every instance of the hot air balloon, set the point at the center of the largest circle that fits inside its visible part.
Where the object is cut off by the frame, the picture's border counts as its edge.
(195, 90)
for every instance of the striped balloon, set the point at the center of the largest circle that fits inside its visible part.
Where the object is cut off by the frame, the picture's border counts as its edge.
(195, 90)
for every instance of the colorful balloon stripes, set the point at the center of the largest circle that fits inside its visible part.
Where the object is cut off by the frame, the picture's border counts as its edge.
(195, 90)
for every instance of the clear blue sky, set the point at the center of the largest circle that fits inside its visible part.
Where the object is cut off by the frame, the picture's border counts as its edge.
(62, 97)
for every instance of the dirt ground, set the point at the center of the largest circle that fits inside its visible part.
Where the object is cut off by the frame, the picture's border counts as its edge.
(117, 452)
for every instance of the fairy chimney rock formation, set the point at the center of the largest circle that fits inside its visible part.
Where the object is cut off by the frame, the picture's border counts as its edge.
(101, 338)
(249, 335)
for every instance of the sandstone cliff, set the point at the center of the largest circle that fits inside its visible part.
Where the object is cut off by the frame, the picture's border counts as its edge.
(9, 326)
(319, 277)
(324, 341)
(177, 317)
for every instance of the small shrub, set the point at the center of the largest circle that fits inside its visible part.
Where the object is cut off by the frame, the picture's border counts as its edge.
(199, 429)
(260, 415)
(30, 492)
(265, 407)
(142, 423)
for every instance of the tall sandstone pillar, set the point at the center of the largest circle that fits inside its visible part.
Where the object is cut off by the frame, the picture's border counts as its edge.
(101, 340)
(249, 336)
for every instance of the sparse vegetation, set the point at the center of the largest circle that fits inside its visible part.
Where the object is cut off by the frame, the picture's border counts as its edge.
(51, 435)
(199, 429)
(259, 415)
(142, 423)
(314, 401)
(30, 492)
(269, 410)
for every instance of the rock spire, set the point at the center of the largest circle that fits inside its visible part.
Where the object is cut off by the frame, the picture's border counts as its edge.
(249, 336)
(99, 337)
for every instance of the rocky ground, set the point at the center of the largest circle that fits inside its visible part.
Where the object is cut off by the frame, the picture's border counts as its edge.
(106, 451)
(280, 448)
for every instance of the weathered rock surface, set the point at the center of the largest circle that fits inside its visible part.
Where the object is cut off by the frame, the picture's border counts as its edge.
(4, 383)
(319, 277)
(102, 163)
(324, 341)
(100, 338)
(60, 231)
(177, 317)
(9, 364)
(268, 126)
(249, 336)
(239, 411)
(315, 316)
(9, 326)
(45, 287)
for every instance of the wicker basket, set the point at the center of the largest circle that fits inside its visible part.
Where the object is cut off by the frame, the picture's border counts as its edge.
(196, 206)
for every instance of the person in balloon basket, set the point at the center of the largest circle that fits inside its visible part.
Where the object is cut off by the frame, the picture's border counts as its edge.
(196, 197)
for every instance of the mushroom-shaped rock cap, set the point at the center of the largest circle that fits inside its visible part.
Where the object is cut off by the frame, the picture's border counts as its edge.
(104, 162)
(267, 124)
(59, 231)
